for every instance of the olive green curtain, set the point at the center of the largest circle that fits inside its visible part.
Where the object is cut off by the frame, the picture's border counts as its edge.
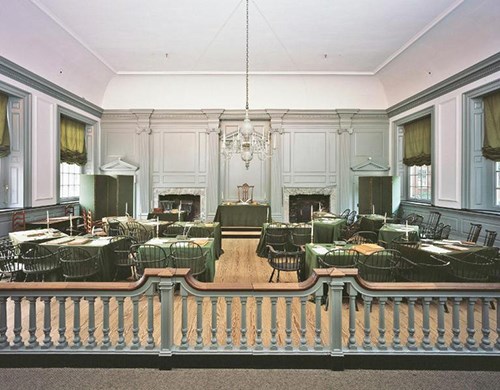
(73, 149)
(417, 142)
(491, 145)
(4, 126)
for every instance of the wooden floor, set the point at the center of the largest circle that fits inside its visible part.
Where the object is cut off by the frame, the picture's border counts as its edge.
(240, 264)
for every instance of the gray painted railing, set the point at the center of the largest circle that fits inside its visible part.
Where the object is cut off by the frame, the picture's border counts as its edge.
(169, 313)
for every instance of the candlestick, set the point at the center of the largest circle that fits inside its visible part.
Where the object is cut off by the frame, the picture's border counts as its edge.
(312, 210)
(385, 217)
(126, 208)
(70, 224)
(157, 226)
(48, 219)
(406, 231)
(267, 215)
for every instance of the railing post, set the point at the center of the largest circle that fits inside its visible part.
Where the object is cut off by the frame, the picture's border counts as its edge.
(335, 297)
(166, 287)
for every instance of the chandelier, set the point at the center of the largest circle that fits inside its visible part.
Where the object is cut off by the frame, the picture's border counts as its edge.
(246, 141)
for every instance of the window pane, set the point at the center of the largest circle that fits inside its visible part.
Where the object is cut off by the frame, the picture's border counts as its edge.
(69, 180)
(419, 180)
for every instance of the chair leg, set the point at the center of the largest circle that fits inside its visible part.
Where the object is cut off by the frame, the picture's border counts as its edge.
(278, 278)
(271, 278)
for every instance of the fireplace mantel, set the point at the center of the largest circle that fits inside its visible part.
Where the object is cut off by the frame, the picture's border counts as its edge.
(289, 191)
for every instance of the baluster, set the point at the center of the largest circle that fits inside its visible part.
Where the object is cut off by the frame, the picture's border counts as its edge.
(213, 328)
(318, 297)
(77, 342)
(381, 324)
(150, 340)
(288, 325)
(455, 327)
(396, 341)
(120, 344)
(62, 342)
(106, 341)
(229, 327)
(440, 344)
(32, 341)
(303, 341)
(4, 342)
(243, 340)
(411, 344)
(367, 342)
(485, 325)
(47, 325)
(352, 319)
(91, 342)
(184, 340)
(470, 341)
(136, 343)
(426, 328)
(258, 330)
(498, 324)
(199, 323)
(274, 328)
(18, 340)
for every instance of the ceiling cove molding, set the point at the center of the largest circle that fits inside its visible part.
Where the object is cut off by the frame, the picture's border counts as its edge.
(30, 79)
(482, 69)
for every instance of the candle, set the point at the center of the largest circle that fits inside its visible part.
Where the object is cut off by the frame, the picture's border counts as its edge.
(312, 231)
(47, 219)
(70, 224)
(406, 231)
(126, 208)
(385, 217)
(312, 213)
(373, 209)
(157, 226)
(267, 213)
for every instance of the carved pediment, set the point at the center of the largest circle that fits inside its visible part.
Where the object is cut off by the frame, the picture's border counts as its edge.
(369, 166)
(119, 166)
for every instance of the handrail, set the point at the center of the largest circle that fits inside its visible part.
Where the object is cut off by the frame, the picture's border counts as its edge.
(274, 287)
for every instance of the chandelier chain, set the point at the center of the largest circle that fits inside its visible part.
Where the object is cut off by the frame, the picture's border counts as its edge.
(246, 72)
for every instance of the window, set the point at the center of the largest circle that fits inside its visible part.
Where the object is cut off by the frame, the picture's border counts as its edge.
(73, 156)
(497, 190)
(69, 181)
(419, 182)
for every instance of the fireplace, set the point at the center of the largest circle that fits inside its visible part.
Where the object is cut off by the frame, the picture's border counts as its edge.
(329, 193)
(302, 205)
(188, 202)
(193, 196)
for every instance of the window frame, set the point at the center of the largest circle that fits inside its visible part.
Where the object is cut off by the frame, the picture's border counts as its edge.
(86, 168)
(469, 127)
(403, 170)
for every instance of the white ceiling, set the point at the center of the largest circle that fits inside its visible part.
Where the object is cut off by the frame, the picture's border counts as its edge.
(286, 36)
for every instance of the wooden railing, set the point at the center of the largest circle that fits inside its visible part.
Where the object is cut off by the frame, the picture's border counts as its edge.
(169, 313)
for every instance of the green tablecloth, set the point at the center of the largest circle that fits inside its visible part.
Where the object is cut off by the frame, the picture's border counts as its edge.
(243, 215)
(390, 231)
(100, 246)
(423, 253)
(372, 222)
(208, 248)
(212, 227)
(328, 230)
(312, 253)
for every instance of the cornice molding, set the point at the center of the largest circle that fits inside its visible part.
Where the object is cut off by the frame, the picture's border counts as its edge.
(475, 72)
(30, 79)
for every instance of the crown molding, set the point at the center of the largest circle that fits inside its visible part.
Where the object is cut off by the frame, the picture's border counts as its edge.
(32, 80)
(475, 72)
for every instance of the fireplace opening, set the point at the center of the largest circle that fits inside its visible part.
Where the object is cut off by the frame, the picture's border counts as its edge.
(300, 206)
(190, 203)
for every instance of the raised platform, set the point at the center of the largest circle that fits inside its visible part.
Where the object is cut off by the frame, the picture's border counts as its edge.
(240, 232)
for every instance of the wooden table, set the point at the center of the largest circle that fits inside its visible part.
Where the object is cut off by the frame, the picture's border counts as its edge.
(208, 249)
(248, 215)
(60, 223)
